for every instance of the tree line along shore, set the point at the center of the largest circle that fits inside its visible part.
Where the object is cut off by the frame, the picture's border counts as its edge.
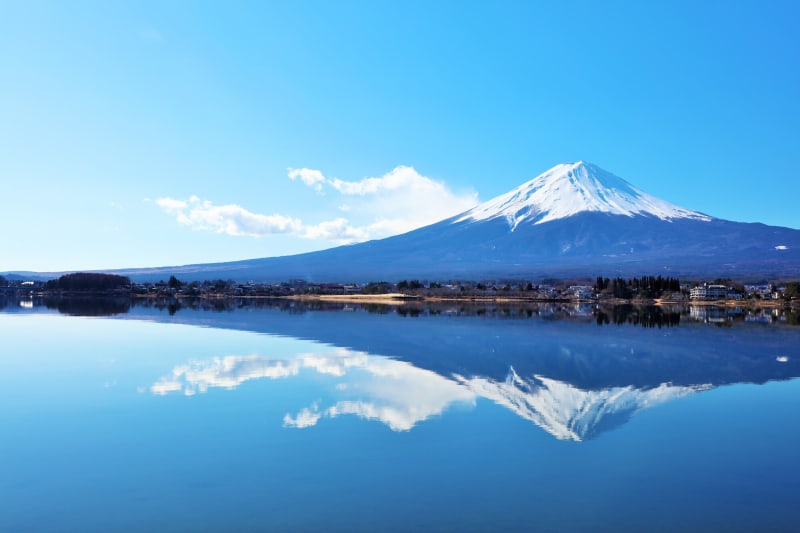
(645, 289)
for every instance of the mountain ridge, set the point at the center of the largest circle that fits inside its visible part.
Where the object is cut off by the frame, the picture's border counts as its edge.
(574, 220)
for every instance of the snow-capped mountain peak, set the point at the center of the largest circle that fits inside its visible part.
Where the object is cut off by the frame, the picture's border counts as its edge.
(571, 188)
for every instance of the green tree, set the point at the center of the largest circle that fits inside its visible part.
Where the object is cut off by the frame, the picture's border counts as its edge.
(792, 290)
(377, 287)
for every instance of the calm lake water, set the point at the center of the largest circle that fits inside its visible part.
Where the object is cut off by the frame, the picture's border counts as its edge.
(284, 417)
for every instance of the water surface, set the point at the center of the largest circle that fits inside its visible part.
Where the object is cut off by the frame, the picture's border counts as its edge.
(284, 417)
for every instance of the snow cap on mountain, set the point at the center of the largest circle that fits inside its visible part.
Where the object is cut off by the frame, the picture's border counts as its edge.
(571, 188)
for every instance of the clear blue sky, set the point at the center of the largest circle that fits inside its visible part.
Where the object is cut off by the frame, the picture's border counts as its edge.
(163, 133)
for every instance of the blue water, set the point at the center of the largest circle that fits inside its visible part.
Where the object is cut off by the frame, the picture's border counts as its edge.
(263, 419)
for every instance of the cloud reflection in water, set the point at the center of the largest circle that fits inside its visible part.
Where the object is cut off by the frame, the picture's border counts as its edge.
(372, 387)
(228, 372)
(400, 395)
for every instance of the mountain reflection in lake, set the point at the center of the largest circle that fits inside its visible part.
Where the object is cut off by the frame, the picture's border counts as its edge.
(401, 395)
(282, 415)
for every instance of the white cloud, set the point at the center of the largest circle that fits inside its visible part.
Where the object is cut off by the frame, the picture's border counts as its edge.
(312, 178)
(338, 230)
(377, 207)
(171, 205)
(400, 178)
(230, 219)
(399, 201)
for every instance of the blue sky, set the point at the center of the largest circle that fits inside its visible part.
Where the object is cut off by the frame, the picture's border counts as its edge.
(164, 133)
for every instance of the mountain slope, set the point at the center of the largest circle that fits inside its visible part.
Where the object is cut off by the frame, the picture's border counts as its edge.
(573, 220)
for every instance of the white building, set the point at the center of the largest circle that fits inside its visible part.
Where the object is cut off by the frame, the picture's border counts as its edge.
(709, 292)
(581, 291)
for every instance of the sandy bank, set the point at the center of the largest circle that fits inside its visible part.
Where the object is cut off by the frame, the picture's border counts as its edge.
(394, 298)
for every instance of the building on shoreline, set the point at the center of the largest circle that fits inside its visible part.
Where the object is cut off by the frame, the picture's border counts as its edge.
(709, 292)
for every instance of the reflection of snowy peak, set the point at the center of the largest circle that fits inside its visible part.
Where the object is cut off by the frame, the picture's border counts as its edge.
(567, 412)
(401, 395)
(571, 188)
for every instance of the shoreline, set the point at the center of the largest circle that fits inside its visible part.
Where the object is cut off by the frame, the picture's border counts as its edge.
(403, 298)
(400, 299)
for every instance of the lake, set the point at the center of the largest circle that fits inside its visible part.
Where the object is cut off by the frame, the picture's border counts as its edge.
(258, 416)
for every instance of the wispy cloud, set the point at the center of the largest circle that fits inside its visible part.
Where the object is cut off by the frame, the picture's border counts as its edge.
(376, 207)
(402, 178)
(170, 205)
(230, 219)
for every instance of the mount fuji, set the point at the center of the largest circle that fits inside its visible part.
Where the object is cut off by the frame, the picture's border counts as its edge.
(571, 189)
(575, 219)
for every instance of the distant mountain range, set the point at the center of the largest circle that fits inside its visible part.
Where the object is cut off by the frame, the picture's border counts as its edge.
(573, 220)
